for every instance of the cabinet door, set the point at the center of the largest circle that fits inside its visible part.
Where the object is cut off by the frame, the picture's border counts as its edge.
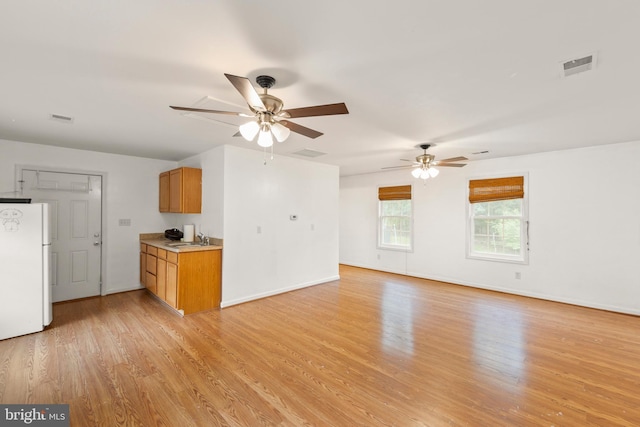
(191, 190)
(143, 268)
(143, 263)
(175, 190)
(164, 192)
(161, 278)
(171, 290)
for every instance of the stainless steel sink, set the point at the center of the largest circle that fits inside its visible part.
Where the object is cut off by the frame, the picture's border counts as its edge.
(179, 244)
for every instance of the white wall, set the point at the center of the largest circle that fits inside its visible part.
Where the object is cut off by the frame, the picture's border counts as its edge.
(130, 191)
(285, 254)
(584, 210)
(240, 194)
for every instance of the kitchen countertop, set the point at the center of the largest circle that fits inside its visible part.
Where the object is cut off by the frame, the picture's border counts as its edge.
(163, 243)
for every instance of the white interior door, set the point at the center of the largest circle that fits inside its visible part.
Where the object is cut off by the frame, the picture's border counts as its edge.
(75, 218)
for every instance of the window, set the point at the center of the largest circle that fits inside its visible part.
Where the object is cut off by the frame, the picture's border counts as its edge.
(497, 219)
(395, 218)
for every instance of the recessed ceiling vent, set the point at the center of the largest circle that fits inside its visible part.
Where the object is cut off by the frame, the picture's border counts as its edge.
(60, 118)
(578, 65)
(309, 153)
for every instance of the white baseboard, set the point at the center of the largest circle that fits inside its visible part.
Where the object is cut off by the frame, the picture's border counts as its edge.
(254, 297)
(546, 297)
(127, 289)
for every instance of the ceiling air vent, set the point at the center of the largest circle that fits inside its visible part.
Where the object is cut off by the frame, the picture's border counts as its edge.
(579, 65)
(309, 153)
(60, 118)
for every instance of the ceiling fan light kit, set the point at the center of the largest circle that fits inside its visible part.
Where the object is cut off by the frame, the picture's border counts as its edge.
(425, 172)
(269, 119)
(423, 167)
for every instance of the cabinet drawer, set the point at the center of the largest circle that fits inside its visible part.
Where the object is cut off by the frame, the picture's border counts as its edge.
(172, 257)
(151, 264)
(152, 250)
(143, 247)
(162, 253)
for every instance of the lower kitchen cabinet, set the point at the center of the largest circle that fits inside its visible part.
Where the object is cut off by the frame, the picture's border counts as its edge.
(188, 281)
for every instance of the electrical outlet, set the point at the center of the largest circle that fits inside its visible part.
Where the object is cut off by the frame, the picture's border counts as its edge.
(124, 222)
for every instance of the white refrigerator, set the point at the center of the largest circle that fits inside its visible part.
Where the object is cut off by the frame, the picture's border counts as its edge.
(25, 285)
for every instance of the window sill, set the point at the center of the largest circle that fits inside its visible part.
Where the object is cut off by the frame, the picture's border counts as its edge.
(498, 258)
(395, 248)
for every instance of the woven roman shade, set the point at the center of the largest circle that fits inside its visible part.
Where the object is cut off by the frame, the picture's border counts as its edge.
(489, 190)
(401, 192)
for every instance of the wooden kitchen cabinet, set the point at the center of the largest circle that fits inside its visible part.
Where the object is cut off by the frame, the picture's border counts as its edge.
(181, 190)
(187, 281)
(198, 280)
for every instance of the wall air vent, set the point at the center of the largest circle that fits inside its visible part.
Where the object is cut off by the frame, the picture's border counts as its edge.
(60, 118)
(309, 153)
(578, 65)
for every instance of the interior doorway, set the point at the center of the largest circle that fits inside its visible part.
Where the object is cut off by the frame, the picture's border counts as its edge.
(75, 221)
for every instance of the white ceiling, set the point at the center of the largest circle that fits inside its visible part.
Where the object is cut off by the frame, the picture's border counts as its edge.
(465, 75)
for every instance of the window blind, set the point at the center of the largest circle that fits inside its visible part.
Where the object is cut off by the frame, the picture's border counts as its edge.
(489, 190)
(400, 192)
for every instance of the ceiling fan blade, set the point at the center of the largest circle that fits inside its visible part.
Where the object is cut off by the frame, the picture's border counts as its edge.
(294, 127)
(450, 165)
(318, 110)
(400, 167)
(202, 110)
(453, 159)
(248, 92)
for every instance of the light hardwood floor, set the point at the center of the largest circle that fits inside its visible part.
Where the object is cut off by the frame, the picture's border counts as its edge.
(371, 349)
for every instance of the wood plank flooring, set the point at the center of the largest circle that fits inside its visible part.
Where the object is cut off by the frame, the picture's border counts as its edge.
(372, 349)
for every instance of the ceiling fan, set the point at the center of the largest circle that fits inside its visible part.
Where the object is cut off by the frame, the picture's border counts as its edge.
(269, 118)
(423, 167)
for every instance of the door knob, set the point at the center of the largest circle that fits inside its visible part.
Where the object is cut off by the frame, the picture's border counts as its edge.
(96, 243)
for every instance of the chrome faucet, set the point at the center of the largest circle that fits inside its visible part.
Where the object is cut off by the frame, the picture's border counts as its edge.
(204, 240)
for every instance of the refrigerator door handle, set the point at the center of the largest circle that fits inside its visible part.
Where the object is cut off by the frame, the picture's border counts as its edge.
(47, 290)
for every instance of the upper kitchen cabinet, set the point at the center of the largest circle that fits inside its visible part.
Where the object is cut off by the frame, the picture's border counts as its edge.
(181, 190)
